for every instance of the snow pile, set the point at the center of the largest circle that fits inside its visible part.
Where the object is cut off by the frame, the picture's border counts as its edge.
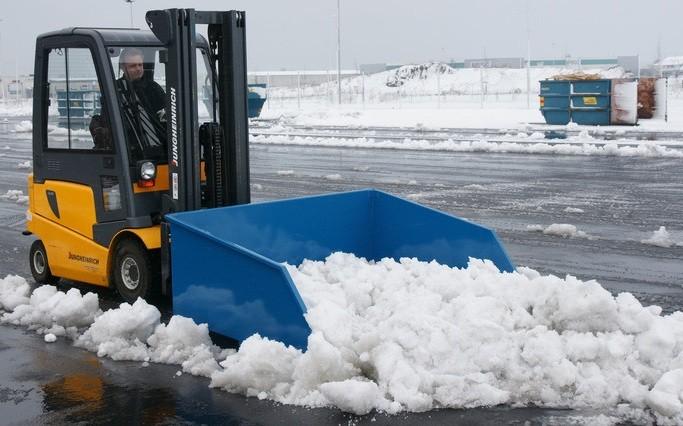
(134, 332)
(412, 336)
(14, 108)
(577, 147)
(564, 230)
(14, 291)
(660, 238)
(667, 395)
(26, 126)
(15, 195)
(406, 73)
(25, 165)
(439, 78)
(49, 311)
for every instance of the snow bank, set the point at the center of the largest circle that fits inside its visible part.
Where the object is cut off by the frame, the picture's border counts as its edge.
(413, 336)
(14, 291)
(584, 147)
(439, 78)
(660, 238)
(564, 230)
(49, 311)
(12, 108)
(130, 332)
(26, 126)
(15, 195)
(134, 332)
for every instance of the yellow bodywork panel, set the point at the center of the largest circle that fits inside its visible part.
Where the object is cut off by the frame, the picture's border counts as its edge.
(71, 251)
(75, 202)
(70, 254)
(150, 237)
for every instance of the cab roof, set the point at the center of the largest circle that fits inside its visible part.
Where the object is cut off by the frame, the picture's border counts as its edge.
(117, 36)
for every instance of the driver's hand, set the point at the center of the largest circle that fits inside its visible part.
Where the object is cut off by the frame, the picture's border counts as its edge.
(161, 115)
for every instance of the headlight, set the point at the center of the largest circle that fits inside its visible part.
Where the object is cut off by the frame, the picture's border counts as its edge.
(147, 171)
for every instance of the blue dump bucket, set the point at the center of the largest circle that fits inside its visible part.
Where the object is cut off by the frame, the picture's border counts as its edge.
(227, 262)
(255, 99)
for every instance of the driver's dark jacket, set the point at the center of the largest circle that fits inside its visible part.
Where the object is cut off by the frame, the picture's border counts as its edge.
(151, 97)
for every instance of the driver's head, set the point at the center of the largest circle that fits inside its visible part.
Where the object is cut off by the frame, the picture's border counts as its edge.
(131, 63)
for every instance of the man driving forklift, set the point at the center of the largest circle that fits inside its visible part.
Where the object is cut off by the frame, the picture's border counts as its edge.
(144, 99)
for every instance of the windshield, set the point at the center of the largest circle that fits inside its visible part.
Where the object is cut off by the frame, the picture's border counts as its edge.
(141, 94)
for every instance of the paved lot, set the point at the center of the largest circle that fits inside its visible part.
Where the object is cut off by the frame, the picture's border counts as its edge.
(623, 201)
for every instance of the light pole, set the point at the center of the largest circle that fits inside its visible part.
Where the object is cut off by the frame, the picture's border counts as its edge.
(528, 59)
(130, 3)
(339, 52)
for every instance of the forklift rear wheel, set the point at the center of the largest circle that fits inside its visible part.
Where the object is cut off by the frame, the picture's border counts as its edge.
(40, 268)
(132, 271)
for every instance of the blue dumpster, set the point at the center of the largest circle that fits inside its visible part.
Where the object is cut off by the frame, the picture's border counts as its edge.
(255, 99)
(591, 101)
(554, 99)
(227, 262)
(579, 101)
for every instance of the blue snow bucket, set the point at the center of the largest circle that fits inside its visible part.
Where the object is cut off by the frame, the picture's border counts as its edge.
(227, 262)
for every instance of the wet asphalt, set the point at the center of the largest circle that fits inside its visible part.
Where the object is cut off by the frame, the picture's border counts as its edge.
(623, 201)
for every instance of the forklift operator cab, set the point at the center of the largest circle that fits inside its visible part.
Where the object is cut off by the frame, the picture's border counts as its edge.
(101, 181)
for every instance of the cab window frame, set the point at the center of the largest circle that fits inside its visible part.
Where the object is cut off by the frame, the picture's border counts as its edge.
(48, 48)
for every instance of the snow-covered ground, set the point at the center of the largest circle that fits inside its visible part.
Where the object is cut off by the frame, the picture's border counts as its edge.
(16, 108)
(533, 143)
(407, 336)
(437, 96)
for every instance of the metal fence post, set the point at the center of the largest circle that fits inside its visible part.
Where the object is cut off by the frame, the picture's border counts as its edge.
(298, 90)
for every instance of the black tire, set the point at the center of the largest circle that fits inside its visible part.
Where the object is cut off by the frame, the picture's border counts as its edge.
(40, 267)
(133, 272)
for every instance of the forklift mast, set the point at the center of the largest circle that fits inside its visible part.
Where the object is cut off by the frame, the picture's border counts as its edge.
(221, 145)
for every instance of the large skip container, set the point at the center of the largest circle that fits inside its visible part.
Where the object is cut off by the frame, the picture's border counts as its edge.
(580, 101)
(227, 262)
(256, 97)
(591, 102)
(554, 99)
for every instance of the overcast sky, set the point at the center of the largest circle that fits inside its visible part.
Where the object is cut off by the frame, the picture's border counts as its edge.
(301, 34)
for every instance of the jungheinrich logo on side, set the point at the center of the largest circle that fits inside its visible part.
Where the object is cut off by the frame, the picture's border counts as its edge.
(174, 128)
(85, 259)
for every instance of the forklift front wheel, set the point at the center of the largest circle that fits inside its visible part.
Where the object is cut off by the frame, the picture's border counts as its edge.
(132, 271)
(40, 268)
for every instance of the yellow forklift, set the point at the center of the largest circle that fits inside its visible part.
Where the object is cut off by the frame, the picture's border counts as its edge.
(141, 174)
(130, 125)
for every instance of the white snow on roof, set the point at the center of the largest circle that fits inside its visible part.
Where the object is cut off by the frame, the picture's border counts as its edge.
(672, 60)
